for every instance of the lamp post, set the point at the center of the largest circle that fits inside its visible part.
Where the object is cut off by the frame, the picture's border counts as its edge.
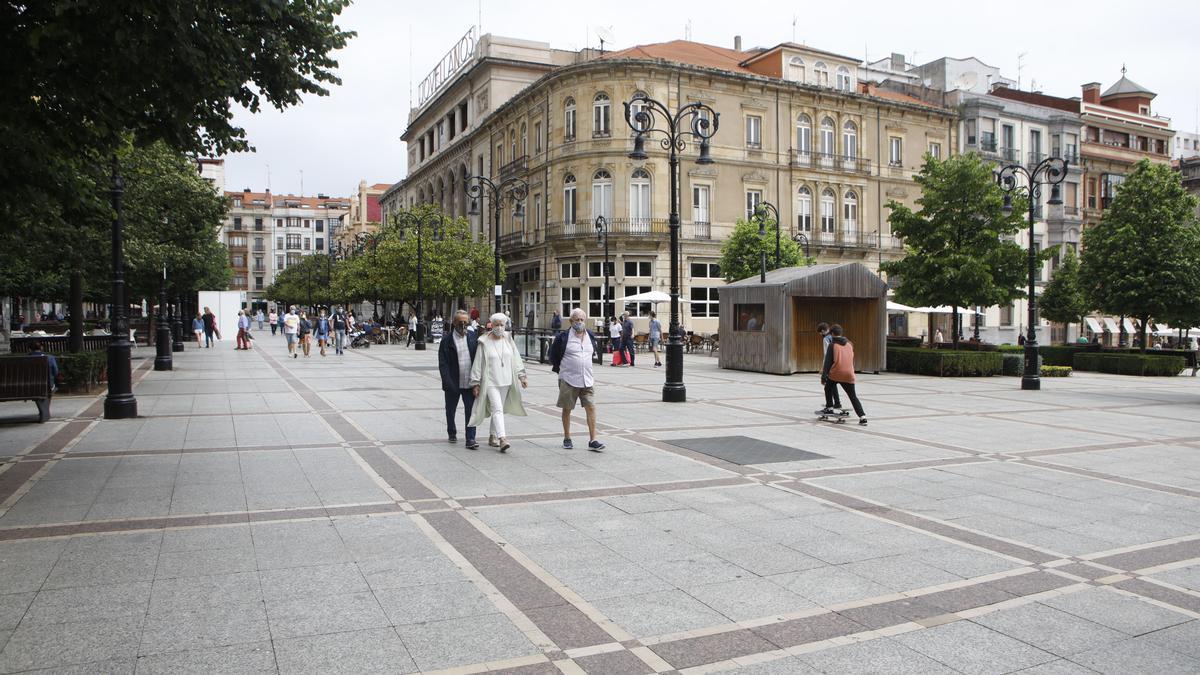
(120, 402)
(513, 189)
(1051, 171)
(801, 239)
(176, 325)
(602, 237)
(162, 330)
(698, 121)
(762, 253)
(409, 216)
(760, 212)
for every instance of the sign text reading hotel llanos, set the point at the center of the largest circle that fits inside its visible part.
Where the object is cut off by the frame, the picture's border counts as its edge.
(451, 63)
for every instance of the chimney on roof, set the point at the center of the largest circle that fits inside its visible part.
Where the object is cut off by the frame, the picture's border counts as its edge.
(321, 196)
(737, 43)
(246, 190)
(1091, 92)
(897, 62)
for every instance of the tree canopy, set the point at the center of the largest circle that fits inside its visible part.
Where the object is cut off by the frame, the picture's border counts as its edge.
(1063, 299)
(740, 253)
(958, 243)
(1143, 258)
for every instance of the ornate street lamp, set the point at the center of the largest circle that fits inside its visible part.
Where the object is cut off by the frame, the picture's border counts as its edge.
(120, 402)
(1051, 171)
(802, 239)
(760, 212)
(176, 325)
(698, 121)
(162, 331)
(602, 237)
(512, 189)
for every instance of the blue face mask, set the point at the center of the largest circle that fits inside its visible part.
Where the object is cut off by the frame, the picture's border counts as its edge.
(578, 326)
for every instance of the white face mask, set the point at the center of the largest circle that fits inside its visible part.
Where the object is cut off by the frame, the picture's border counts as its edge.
(498, 331)
(578, 326)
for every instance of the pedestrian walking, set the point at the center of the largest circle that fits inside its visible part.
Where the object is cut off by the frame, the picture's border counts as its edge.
(322, 329)
(339, 330)
(614, 336)
(259, 317)
(243, 324)
(938, 337)
(291, 330)
(832, 399)
(455, 357)
(272, 318)
(412, 329)
(556, 322)
(627, 337)
(305, 331)
(571, 357)
(839, 369)
(495, 372)
(198, 329)
(210, 328)
(655, 337)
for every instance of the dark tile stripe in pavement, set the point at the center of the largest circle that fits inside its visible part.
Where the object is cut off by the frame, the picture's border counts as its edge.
(600, 493)
(189, 451)
(1078, 449)
(1152, 556)
(562, 622)
(394, 475)
(16, 476)
(949, 531)
(874, 468)
(1153, 591)
(1133, 482)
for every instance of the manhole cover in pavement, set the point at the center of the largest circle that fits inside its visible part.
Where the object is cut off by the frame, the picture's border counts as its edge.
(745, 450)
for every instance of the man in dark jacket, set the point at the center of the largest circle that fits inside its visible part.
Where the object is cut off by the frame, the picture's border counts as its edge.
(455, 355)
(839, 369)
(627, 337)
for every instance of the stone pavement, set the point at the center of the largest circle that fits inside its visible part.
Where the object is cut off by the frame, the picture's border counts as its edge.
(267, 514)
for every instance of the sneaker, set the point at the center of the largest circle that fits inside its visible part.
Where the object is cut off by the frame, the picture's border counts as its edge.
(492, 441)
(862, 421)
(567, 444)
(452, 440)
(595, 446)
(472, 445)
(504, 446)
(657, 365)
(826, 411)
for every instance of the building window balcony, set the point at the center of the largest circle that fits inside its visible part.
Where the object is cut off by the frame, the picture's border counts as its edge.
(1036, 157)
(1010, 154)
(702, 230)
(601, 134)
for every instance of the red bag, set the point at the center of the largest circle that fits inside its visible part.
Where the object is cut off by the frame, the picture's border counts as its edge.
(618, 358)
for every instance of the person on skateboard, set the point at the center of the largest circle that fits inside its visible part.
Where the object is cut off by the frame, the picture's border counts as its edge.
(839, 369)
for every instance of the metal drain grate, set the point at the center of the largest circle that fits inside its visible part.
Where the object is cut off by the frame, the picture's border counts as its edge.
(744, 450)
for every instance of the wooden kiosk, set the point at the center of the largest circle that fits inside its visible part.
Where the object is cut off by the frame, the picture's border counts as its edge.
(772, 327)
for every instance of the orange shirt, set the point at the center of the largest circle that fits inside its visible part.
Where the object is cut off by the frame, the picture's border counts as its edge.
(843, 362)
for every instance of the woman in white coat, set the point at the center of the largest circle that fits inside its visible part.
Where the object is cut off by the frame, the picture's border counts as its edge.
(497, 369)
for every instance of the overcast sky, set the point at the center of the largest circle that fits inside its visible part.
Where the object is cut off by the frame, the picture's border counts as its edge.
(354, 132)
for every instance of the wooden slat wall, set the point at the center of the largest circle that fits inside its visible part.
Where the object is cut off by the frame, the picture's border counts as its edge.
(860, 320)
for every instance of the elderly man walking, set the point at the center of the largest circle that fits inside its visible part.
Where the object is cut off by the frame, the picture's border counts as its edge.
(455, 356)
(571, 357)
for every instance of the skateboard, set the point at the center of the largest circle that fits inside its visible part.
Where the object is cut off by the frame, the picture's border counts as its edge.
(836, 417)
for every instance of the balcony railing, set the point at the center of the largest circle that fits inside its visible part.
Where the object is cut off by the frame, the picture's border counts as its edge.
(513, 240)
(1071, 210)
(259, 248)
(987, 144)
(515, 167)
(702, 229)
(1069, 153)
(846, 238)
(1010, 154)
(626, 227)
(830, 161)
(1035, 157)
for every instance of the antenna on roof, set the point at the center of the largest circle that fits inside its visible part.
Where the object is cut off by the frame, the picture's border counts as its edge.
(1020, 67)
(268, 178)
(793, 28)
(301, 182)
(687, 30)
(605, 33)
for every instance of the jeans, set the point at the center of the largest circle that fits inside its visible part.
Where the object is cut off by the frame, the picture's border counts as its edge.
(832, 400)
(208, 338)
(242, 341)
(273, 327)
(340, 340)
(468, 401)
(628, 347)
(848, 387)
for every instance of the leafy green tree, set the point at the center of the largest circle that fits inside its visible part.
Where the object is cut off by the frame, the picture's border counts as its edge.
(740, 253)
(958, 247)
(1143, 258)
(305, 283)
(1063, 299)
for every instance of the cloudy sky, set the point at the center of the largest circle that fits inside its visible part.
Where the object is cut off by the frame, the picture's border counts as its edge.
(332, 142)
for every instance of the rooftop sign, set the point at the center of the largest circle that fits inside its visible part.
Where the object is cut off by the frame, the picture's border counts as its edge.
(458, 56)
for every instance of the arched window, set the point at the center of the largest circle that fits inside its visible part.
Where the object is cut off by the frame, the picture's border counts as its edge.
(635, 107)
(849, 141)
(512, 144)
(827, 141)
(821, 73)
(524, 140)
(601, 109)
(804, 209)
(602, 194)
(804, 140)
(843, 78)
(639, 202)
(796, 69)
(569, 119)
(828, 214)
(850, 212)
(569, 202)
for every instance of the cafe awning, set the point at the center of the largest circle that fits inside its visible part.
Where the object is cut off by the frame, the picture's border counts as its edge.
(1130, 327)
(1093, 324)
(1110, 325)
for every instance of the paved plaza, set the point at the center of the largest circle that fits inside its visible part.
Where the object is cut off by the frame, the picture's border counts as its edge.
(268, 514)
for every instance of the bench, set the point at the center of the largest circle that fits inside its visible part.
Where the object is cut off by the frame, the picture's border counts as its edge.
(26, 378)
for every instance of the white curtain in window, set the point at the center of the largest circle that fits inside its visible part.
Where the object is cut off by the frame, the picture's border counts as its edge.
(804, 207)
(828, 216)
(639, 202)
(850, 213)
(602, 195)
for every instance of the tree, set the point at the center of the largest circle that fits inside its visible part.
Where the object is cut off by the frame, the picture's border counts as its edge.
(741, 252)
(1063, 299)
(304, 283)
(1143, 258)
(959, 251)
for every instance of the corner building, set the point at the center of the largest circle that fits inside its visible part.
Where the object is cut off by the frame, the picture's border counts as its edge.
(796, 129)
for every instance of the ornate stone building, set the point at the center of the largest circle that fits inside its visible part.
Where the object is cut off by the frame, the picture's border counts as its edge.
(796, 129)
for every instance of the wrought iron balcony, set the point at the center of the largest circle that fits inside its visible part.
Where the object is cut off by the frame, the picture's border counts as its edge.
(1035, 157)
(1069, 153)
(649, 228)
(513, 240)
(1010, 154)
(515, 168)
(856, 239)
(830, 161)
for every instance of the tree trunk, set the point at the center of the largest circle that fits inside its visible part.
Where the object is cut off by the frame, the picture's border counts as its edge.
(75, 341)
(1144, 320)
(954, 327)
(929, 316)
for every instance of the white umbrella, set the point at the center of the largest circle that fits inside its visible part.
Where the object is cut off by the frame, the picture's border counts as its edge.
(649, 296)
(943, 310)
(897, 307)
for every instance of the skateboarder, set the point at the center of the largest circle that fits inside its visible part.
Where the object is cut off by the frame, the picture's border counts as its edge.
(833, 401)
(839, 369)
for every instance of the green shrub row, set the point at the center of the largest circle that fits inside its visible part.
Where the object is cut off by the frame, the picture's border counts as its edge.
(81, 371)
(944, 362)
(1129, 364)
(1056, 371)
(904, 341)
(967, 346)
(1014, 364)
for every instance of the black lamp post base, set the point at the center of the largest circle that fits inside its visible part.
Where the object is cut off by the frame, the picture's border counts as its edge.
(1031, 383)
(176, 346)
(674, 390)
(162, 344)
(420, 337)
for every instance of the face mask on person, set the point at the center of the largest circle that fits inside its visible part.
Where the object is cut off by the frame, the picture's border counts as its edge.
(498, 331)
(578, 326)
(460, 328)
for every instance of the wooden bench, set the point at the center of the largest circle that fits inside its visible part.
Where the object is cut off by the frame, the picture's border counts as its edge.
(26, 378)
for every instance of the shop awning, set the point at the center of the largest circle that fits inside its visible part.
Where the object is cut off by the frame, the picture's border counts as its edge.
(1110, 325)
(1093, 324)
(1130, 327)
(897, 307)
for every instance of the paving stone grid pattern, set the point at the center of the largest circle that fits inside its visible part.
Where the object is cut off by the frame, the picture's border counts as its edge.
(266, 514)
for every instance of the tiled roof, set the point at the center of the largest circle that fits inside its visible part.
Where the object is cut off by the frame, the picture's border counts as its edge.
(684, 51)
(872, 90)
(1126, 86)
(381, 186)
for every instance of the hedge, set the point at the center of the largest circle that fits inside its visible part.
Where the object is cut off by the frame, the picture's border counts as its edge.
(904, 341)
(968, 346)
(82, 370)
(1129, 364)
(1056, 371)
(944, 362)
(1014, 364)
